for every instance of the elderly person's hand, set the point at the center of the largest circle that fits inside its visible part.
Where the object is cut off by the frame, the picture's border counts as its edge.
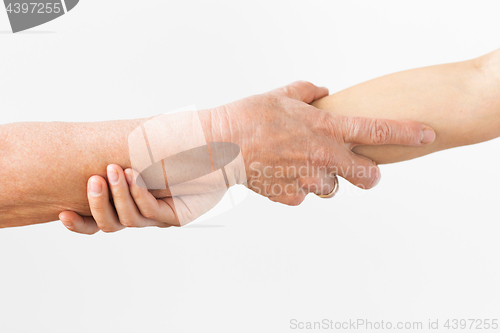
(287, 147)
(291, 148)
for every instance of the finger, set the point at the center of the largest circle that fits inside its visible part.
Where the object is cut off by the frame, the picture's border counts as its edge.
(79, 224)
(161, 211)
(327, 188)
(322, 181)
(358, 170)
(332, 193)
(371, 131)
(102, 210)
(304, 91)
(128, 212)
(290, 199)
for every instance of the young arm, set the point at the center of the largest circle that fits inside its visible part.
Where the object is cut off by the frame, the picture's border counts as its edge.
(460, 101)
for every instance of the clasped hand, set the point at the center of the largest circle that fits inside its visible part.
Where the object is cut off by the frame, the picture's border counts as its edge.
(287, 147)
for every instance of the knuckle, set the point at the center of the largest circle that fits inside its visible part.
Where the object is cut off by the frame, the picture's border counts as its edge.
(293, 200)
(349, 127)
(119, 195)
(303, 84)
(149, 214)
(137, 194)
(380, 132)
(320, 155)
(271, 98)
(128, 222)
(297, 200)
(107, 230)
(95, 205)
(288, 90)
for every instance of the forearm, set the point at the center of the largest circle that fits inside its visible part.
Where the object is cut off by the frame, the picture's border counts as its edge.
(45, 166)
(460, 101)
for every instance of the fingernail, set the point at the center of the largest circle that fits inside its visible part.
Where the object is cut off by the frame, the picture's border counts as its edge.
(95, 188)
(112, 176)
(67, 223)
(428, 136)
(128, 175)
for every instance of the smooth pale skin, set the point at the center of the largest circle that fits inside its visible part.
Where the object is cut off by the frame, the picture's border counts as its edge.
(460, 101)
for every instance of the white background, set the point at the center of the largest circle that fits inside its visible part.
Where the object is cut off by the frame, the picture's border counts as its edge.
(423, 245)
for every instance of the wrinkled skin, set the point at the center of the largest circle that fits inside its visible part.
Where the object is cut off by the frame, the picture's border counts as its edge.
(289, 149)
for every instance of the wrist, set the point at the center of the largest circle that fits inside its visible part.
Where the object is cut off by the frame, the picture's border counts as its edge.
(219, 126)
(216, 124)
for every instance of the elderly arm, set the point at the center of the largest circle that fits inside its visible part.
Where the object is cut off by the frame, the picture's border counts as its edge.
(45, 166)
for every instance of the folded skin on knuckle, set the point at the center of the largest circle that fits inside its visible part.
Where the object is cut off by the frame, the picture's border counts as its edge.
(380, 131)
(348, 126)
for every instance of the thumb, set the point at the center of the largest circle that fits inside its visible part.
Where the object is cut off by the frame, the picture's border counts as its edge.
(303, 91)
(371, 131)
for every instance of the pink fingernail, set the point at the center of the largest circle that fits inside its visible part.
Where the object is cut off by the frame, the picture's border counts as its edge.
(112, 176)
(428, 136)
(95, 188)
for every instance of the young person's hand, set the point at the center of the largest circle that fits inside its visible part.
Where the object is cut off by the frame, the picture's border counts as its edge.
(133, 205)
